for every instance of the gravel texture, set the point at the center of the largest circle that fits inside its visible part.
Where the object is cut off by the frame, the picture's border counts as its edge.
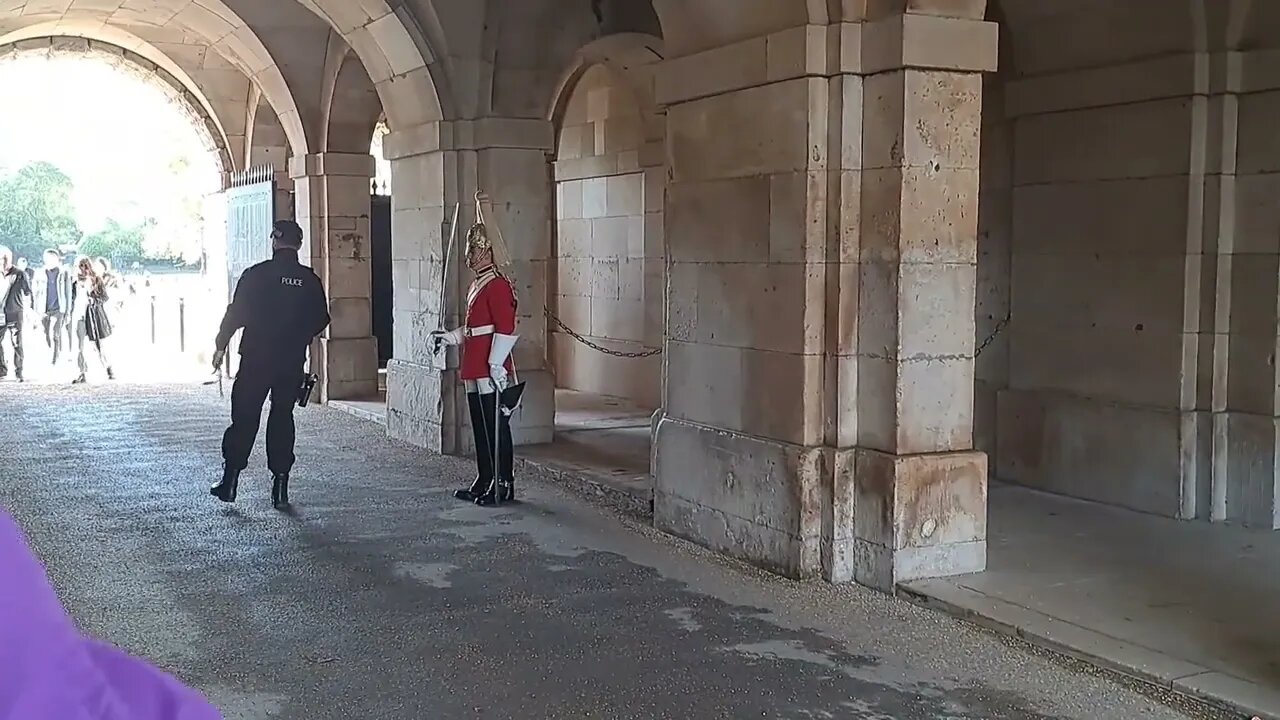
(380, 596)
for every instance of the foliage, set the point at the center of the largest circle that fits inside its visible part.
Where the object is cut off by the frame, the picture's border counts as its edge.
(119, 243)
(36, 210)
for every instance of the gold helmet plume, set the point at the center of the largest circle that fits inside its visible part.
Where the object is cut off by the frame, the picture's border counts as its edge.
(486, 236)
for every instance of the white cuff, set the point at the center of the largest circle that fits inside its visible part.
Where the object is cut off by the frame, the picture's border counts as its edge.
(453, 337)
(501, 348)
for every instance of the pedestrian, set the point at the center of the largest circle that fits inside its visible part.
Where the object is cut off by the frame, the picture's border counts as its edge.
(25, 268)
(15, 292)
(56, 284)
(89, 316)
(69, 268)
(487, 338)
(50, 669)
(282, 307)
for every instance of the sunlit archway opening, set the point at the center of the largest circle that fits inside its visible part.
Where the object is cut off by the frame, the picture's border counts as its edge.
(103, 157)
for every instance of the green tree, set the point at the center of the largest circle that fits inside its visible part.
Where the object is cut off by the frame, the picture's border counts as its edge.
(119, 243)
(36, 211)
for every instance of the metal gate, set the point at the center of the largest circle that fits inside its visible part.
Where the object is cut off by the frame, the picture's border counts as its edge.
(251, 211)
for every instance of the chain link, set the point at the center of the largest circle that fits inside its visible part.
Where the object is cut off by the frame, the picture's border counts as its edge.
(1000, 326)
(650, 352)
(647, 352)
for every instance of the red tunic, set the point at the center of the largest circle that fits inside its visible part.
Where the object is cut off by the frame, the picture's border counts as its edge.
(491, 308)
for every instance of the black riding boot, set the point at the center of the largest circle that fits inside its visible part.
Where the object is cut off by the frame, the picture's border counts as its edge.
(280, 491)
(484, 452)
(505, 490)
(226, 490)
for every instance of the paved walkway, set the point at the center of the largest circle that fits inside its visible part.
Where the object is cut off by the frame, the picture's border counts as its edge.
(382, 597)
(1185, 604)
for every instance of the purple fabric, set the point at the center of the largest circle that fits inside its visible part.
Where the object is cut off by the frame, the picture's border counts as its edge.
(50, 671)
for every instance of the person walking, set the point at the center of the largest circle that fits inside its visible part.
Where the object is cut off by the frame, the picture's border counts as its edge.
(282, 307)
(89, 316)
(15, 292)
(56, 283)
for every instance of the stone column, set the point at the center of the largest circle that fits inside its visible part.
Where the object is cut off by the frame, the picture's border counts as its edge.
(819, 357)
(920, 504)
(433, 167)
(332, 206)
(739, 454)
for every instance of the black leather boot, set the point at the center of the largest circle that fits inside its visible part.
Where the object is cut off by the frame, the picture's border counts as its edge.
(503, 493)
(280, 491)
(476, 490)
(226, 490)
(484, 452)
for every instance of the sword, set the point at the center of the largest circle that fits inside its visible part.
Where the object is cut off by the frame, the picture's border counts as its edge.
(437, 351)
(217, 380)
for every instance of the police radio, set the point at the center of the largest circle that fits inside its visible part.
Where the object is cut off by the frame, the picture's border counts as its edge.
(306, 388)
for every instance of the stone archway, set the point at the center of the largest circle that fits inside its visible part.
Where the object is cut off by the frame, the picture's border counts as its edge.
(217, 25)
(117, 46)
(177, 87)
(606, 275)
(399, 55)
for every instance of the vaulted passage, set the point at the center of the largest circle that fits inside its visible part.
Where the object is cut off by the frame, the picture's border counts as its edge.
(869, 293)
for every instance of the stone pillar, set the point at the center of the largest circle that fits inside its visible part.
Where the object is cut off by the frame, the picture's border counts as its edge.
(433, 167)
(332, 206)
(739, 451)
(920, 504)
(819, 354)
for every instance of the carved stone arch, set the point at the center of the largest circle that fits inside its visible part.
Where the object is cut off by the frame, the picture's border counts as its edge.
(349, 101)
(631, 57)
(176, 85)
(400, 52)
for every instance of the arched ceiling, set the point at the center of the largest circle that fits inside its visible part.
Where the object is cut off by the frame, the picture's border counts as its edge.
(177, 89)
(218, 88)
(175, 22)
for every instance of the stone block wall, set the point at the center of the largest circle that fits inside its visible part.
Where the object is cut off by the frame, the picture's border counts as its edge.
(1243, 294)
(1106, 385)
(995, 257)
(608, 254)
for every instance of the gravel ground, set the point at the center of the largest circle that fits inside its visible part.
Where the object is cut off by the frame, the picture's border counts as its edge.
(380, 596)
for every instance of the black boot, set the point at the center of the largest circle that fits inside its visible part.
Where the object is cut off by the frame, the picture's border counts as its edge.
(226, 490)
(476, 490)
(484, 452)
(280, 491)
(505, 492)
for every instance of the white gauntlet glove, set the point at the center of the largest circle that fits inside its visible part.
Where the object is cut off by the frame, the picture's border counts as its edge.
(440, 338)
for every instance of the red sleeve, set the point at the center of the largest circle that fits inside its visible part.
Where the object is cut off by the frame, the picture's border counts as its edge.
(502, 306)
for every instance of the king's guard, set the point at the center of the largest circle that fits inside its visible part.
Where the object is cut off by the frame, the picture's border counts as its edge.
(487, 371)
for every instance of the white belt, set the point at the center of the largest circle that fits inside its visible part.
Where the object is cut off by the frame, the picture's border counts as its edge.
(478, 331)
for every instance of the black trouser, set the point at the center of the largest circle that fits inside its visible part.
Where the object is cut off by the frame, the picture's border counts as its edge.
(13, 330)
(482, 410)
(53, 322)
(253, 383)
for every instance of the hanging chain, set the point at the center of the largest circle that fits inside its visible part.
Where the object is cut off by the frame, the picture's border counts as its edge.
(650, 352)
(647, 352)
(1000, 326)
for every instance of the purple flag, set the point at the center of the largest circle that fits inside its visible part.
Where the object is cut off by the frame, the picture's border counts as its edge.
(50, 671)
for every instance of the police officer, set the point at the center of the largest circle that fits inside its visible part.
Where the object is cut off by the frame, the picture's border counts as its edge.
(282, 308)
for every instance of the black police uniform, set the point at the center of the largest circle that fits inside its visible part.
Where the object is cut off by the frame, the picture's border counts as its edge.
(282, 308)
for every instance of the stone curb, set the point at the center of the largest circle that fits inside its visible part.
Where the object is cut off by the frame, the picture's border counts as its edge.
(1151, 666)
(358, 412)
(577, 479)
(584, 481)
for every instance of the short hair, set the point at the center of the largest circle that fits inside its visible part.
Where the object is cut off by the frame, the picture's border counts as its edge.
(53, 252)
(287, 233)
